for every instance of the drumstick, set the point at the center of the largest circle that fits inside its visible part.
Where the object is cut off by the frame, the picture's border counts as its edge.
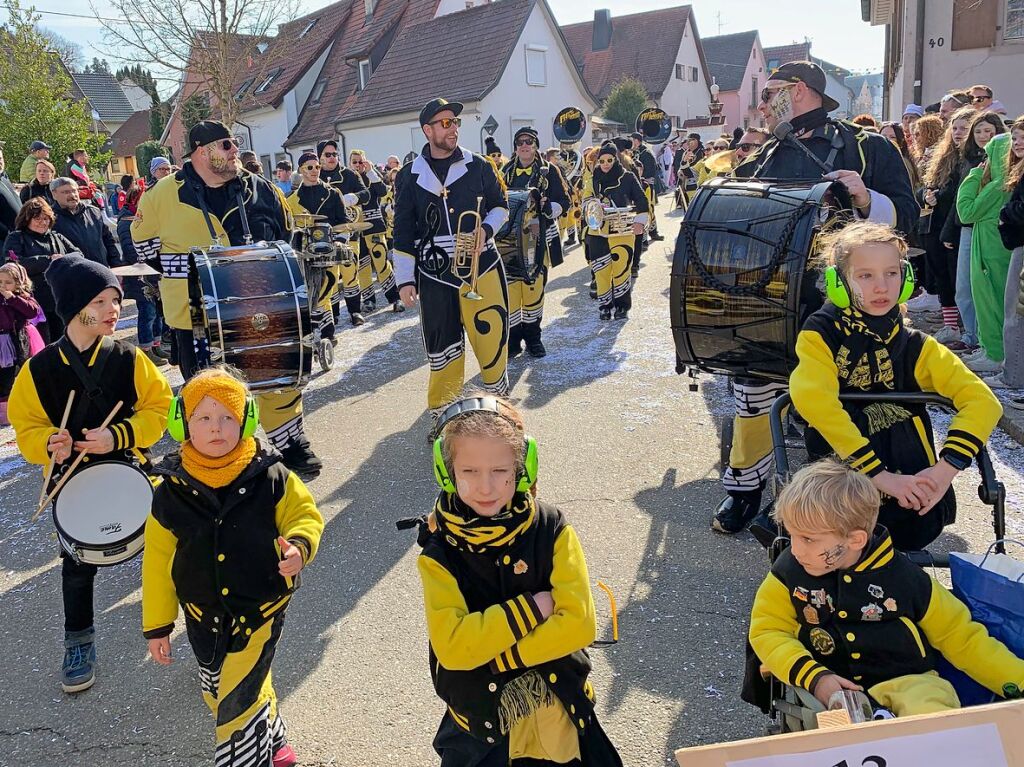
(67, 475)
(53, 456)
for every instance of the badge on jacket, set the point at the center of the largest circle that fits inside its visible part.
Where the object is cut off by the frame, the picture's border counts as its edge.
(822, 642)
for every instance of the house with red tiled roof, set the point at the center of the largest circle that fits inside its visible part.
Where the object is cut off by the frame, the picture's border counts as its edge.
(661, 48)
(134, 131)
(835, 76)
(506, 61)
(273, 91)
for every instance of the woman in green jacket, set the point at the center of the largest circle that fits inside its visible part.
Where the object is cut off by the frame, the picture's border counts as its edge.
(980, 198)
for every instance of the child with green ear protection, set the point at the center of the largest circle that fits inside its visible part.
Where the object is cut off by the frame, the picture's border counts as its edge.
(858, 342)
(508, 603)
(229, 531)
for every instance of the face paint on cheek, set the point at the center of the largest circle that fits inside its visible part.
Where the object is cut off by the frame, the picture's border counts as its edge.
(832, 556)
(87, 319)
(782, 104)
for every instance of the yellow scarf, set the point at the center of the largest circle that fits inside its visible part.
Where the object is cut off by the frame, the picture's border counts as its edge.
(218, 472)
(466, 530)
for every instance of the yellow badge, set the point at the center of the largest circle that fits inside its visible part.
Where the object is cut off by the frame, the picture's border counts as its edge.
(822, 642)
(520, 567)
(811, 615)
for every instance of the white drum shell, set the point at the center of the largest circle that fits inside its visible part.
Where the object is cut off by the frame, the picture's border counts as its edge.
(101, 511)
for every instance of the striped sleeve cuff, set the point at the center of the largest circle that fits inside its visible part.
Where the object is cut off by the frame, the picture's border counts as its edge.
(806, 672)
(510, 660)
(159, 633)
(865, 461)
(522, 614)
(124, 435)
(962, 443)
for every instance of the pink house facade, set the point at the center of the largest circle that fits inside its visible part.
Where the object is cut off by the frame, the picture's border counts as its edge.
(737, 65)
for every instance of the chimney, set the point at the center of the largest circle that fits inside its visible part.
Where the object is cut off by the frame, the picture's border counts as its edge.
(602, 37)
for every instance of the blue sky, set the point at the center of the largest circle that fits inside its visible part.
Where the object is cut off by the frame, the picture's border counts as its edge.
(834, 26)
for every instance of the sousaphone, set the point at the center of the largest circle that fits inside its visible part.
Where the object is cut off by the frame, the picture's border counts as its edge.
(569, 128)
(654, 124)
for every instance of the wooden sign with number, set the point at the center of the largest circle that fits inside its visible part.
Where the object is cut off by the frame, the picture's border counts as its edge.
(983, 735)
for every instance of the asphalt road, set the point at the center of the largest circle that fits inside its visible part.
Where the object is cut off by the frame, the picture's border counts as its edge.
(627, 452)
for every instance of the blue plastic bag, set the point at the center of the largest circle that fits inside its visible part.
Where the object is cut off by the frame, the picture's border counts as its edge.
(992, 587)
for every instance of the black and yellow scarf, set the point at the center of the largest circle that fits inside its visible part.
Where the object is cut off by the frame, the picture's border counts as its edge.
(868, 348)
(466, 530)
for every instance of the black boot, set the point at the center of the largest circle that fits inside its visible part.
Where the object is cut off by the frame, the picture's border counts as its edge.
(593, 287)
(656, 236)
(533, 343)
(735, 511)
(763, 528)
(300, 458)
(515, 342)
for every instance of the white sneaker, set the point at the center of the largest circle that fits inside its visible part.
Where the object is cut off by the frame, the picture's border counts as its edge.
(946, 335)
(977, 354)
(926, 302)
(985, 365)
(995, 382)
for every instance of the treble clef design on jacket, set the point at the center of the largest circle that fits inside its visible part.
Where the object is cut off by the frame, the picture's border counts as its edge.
(433, 260)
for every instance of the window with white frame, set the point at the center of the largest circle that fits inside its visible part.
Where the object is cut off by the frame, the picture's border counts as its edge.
(309, 26)
(679, 72)
(115, 164)
(364, 73)
(1013, 28)
(318, 91)
(694, 74)
(536, 65)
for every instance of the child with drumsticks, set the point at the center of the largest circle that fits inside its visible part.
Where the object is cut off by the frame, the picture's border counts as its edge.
(99, 373)
(842, 610)
(508, 603)
(230, 530)
(858, 342)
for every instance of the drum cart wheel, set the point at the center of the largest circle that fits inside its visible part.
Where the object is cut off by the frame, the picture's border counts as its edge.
(325, 354)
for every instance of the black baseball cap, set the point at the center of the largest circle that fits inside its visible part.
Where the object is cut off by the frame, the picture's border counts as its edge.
(809, 73)
(637, 135)
(37, 145)
(438, 105)
(206, 132)
(526, 130)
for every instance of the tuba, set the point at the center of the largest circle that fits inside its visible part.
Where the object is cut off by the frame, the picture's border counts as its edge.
(466, 261)
(605, 220)
(570, 126)
(654, 124)
(521, 252)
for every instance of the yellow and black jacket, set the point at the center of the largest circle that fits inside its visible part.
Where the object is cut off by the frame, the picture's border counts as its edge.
(372, 207)
(170, 223)
(346, 181)
(881, 619)
(216, 551)
(491, 656)
(839, 352)
(320, 200)
(41, 390)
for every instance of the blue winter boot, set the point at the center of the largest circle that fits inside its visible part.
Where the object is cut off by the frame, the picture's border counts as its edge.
(76, 674)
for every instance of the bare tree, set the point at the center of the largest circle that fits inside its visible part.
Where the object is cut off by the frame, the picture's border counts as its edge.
(70, 52)
(209, 46)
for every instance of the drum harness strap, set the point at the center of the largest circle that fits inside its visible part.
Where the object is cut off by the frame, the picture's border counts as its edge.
(201, 198)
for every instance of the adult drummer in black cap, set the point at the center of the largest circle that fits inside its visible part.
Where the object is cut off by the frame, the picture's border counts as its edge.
(528, 170)
(806, 144)
(444, 181)
(214, 200)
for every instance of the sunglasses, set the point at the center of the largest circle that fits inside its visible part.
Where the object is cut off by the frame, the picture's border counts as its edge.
(526, 142)
(767, 93)
(330, 154)
(978, 99)
(447, 122)
(747, 147)
(311, 166)
(227, 144)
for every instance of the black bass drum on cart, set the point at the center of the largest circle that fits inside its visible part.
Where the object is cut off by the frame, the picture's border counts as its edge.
(741, 282)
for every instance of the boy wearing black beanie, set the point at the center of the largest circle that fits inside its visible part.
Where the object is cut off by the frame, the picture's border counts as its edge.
(101, 372)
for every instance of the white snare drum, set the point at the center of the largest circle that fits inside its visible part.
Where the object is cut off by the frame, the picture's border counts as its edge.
(101, 513)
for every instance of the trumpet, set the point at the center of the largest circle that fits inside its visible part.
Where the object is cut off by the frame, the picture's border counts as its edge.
(607, 220)
(466, 263)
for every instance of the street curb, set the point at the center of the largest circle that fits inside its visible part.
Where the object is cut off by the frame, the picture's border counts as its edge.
(1013, 425)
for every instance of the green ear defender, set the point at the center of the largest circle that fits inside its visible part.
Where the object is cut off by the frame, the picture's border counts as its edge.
(177, 424)
(526, 480)
(837, 292)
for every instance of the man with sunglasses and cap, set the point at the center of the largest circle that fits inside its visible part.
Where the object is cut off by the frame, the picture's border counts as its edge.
(441, 184)
(211, 200)
(872, 172)
(527, 170)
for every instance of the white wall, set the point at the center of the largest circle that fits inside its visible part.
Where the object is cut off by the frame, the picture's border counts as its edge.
(682, 97)
(514, 103)
(295, 98)
(269, 129)
(380, 137)
(944, 69)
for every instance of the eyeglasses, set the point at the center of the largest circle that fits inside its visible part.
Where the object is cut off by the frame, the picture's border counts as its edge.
(447, 122)
(311, 166)
(526, 142)
(330, 154)
(746, 147)
(227, 144)
(767, 93)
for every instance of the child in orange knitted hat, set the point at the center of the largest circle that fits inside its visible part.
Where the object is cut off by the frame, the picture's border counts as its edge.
(230, 530)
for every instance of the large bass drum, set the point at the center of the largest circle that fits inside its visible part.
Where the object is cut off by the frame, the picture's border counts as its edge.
(257, 313)
(741, 286)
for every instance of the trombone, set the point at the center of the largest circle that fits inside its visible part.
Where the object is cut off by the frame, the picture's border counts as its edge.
(466, 264)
